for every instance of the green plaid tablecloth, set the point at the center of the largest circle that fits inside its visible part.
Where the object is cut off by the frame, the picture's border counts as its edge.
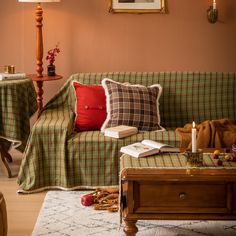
(17, 103)
(172, 160)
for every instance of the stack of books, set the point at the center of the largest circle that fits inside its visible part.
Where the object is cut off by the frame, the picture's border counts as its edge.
(6, 76)
(120, 131)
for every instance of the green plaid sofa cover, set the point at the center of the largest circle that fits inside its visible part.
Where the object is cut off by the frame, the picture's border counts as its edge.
(58, 157)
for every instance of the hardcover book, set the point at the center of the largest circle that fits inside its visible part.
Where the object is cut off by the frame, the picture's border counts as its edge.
(147, 148)
(6, 76)
(120, 131)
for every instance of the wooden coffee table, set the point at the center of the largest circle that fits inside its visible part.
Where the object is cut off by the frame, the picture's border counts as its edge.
(149, 191)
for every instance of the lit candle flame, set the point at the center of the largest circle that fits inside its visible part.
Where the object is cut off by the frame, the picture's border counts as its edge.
(194, 138)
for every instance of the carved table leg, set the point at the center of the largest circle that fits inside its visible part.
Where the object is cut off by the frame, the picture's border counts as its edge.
(130, 228)
(5, 157)
(40, 96)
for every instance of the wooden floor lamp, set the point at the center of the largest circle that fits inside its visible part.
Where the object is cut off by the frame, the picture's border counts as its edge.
(39, 77)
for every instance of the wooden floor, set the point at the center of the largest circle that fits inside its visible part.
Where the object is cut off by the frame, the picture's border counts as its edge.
(22, 209)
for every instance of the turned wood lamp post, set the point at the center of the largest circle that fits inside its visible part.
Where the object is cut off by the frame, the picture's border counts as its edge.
(39, 78)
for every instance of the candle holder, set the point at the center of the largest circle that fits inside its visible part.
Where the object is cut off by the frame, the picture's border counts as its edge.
(194, 159)
(212, 15)
(9, 69)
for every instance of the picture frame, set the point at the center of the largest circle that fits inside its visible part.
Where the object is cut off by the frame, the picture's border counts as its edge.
(137, 6)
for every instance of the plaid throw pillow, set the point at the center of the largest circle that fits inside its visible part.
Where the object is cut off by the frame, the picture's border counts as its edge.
(132, 105)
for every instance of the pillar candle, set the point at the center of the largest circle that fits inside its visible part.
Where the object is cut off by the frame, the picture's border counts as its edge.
(194, 138)
(214, 4)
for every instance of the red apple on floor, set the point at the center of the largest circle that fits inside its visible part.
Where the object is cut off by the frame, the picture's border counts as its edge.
(87, 200)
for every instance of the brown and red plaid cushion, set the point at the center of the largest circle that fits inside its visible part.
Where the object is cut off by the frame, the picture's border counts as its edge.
(133, 105)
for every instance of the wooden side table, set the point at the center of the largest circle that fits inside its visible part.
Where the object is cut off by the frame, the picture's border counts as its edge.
(5, 158)
(39, 81)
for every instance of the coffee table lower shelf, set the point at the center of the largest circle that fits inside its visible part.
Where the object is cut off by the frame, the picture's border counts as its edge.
(177, 194)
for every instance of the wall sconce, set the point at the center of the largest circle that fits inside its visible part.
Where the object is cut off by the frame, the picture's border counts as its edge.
(212, 13)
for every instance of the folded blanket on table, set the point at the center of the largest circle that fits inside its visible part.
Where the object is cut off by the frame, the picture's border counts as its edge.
(210, 134)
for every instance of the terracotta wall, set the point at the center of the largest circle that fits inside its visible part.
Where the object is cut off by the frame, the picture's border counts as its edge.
(93, 40)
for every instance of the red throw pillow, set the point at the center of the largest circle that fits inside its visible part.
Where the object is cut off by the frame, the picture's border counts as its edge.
(90, 106)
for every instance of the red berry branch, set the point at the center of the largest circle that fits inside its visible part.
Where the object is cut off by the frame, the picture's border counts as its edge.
(52, 53)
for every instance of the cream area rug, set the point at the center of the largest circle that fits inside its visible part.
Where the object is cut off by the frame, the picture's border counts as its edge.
(63, 215)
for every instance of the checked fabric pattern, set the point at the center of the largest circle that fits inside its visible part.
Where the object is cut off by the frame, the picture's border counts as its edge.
(17, 104)
(58, 157)
(170, 160)
(132, 105)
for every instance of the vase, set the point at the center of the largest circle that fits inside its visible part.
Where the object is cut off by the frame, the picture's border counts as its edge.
(51, 70)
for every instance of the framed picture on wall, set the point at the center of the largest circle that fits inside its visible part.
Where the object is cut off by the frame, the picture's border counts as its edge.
(137, 6)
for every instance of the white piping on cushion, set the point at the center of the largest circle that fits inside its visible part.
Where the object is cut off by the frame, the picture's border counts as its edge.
(108, 108)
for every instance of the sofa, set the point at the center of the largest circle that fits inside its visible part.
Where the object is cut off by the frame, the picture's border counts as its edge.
(3, 216)
(56, 156)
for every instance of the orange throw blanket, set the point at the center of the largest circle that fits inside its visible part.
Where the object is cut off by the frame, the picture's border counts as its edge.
(210, 134)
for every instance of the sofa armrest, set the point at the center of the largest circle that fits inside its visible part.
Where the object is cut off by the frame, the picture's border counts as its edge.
(56, 120)
(46, 147)
(3, 216)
